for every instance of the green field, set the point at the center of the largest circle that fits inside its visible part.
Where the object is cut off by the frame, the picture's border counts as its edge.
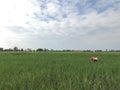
(59, 71)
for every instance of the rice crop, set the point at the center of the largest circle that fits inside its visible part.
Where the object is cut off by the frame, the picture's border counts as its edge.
(59, 71)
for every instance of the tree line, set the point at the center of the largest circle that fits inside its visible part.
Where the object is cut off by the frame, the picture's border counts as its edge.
(45, 49)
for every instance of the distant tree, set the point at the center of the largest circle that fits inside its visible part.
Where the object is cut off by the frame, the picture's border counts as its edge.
(10, 49)
(21, 49)
(39, 49)
(67, 50)
(87, 50)
(45, 49)
(1, 49)
(98, 50)
(15, 48)
(52, 50)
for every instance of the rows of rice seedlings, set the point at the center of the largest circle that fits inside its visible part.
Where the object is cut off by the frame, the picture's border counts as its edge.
(59, 71)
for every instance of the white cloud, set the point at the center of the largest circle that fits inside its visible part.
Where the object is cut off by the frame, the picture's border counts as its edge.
(55, 24)
(52, 9)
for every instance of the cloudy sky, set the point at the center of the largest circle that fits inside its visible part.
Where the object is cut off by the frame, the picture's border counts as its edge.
(60, 24)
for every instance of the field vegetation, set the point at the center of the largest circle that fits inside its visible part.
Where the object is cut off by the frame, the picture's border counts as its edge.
(59, 71)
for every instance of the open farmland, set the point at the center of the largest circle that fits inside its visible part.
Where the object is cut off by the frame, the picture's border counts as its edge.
(59, 71)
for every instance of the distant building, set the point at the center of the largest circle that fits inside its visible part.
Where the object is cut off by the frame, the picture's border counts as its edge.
(1, 49)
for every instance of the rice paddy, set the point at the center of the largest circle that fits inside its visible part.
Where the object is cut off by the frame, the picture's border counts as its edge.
(59, 71)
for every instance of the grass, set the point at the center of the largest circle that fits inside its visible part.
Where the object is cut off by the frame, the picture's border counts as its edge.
(59, 71)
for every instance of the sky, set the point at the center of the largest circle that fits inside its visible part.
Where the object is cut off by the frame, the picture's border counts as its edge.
(60, 24)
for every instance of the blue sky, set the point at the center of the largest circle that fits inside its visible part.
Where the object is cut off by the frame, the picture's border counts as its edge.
(60, 24)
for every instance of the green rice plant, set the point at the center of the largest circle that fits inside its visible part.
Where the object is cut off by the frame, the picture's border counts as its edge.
(59, 71)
